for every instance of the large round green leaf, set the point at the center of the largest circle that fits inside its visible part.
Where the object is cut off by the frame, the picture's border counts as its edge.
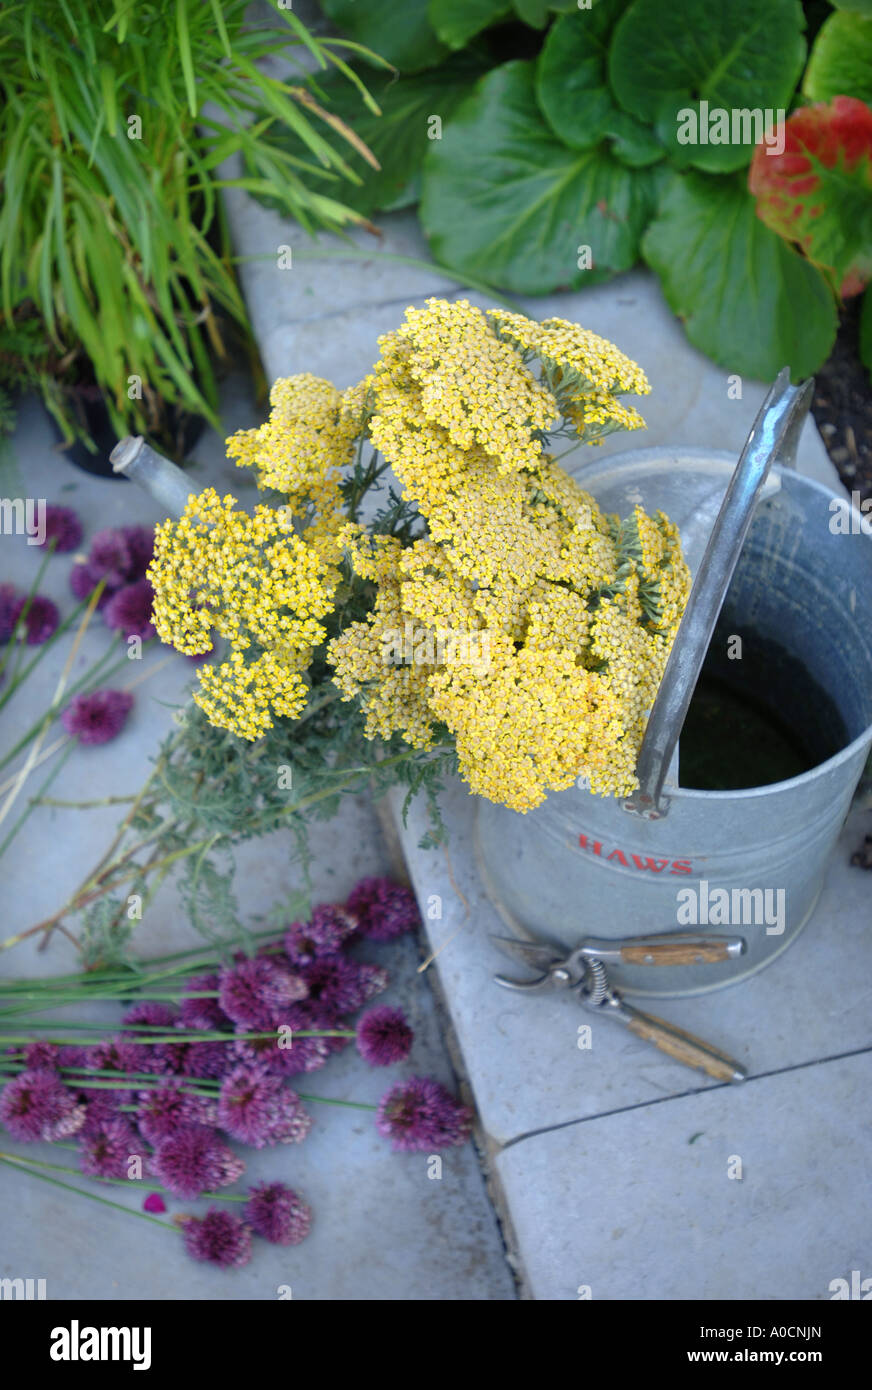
(398, 138)
(747, 299)
(856, 6)
(457, 21)
(573, 89)
(704, 59)
(400, 32)
(505, 201)
(840, 64)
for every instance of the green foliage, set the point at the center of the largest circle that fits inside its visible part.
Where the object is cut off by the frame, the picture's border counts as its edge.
(841, 60)
(114, 126)
(522, 224)
(401, 33)
(550, 154)
(666, 58)
(743, 294)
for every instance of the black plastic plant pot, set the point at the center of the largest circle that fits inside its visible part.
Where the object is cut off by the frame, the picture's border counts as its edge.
(181, 432)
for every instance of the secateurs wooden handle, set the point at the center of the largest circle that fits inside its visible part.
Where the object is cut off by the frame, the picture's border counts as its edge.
(583, 972)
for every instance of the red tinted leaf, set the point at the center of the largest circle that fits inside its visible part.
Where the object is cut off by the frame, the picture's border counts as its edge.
(818, 191)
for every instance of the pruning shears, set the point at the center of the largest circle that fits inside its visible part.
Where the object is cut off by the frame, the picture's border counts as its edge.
(582, 973)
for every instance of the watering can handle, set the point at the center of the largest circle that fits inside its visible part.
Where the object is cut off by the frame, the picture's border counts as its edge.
(774, 437)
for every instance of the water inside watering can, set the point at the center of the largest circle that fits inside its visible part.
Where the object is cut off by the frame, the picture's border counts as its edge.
(755, 718)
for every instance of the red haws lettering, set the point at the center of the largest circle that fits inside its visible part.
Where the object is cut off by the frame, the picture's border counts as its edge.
(642, 862)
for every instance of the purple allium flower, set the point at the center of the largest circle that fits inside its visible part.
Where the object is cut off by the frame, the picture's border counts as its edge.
(37, 1105)
(129, 610)
(98, 717)
(84, 578)
(139, 541)
(101, 1107)
(62, 526)
(154, 1202)
(384, 1036)
(254, 991)
(115, 1054)
(325, 935)
(218, 1237)
(312, 1014)
(205, 1014)
(259, 1109)
(419, 1115)
(40, 1055)
(342, 985)
(195, 1160)
(277, 1213)
(152, 1014)
(167, 1109)
(279, 1058)
(110, 557)
(206, 1059)
(40, 621)
(72, 1056)
(105, 1150)
(10, 607)
(384, 909)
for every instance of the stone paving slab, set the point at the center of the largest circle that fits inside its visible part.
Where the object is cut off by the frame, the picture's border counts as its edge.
(382, 1229)
(640, 1205)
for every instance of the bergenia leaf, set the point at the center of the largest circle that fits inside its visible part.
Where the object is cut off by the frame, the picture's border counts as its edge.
(667, 59)
(401, 33)
(840, 63)
(818, 192)
(572, 87)
(747, 299)
(457, 21)
(503, 199)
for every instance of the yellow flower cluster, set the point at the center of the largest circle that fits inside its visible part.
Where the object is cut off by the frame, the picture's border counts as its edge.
(509, 610)
(256, 584)
(585, 372)
(567, 661)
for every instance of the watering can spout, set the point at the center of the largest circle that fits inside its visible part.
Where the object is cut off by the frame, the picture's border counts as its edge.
(166, 483)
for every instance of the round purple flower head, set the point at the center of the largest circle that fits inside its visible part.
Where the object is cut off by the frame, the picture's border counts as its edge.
(203, 1014)
(419, 1115)
(167, 1109)
(342, 985)
(98, 717)
(140, 547)
(110, 557)
(325, 935)
(105, 1150)
(129, 610)
(63, 527)
(254, 991)
(219, 1237)
(384, 1036)
(101, 1107)
(206, 1059)
(152, 1014)
(277, 1213)
(384, 909)
(37, 1105)
(84, 578)
(39, 1055)
(260, 1109)
(40, 621)
(195, 1160)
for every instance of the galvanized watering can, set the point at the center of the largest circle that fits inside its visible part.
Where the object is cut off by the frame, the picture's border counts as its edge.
(783, 564)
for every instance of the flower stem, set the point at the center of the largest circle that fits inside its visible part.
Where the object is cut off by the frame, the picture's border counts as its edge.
(14, 1162)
